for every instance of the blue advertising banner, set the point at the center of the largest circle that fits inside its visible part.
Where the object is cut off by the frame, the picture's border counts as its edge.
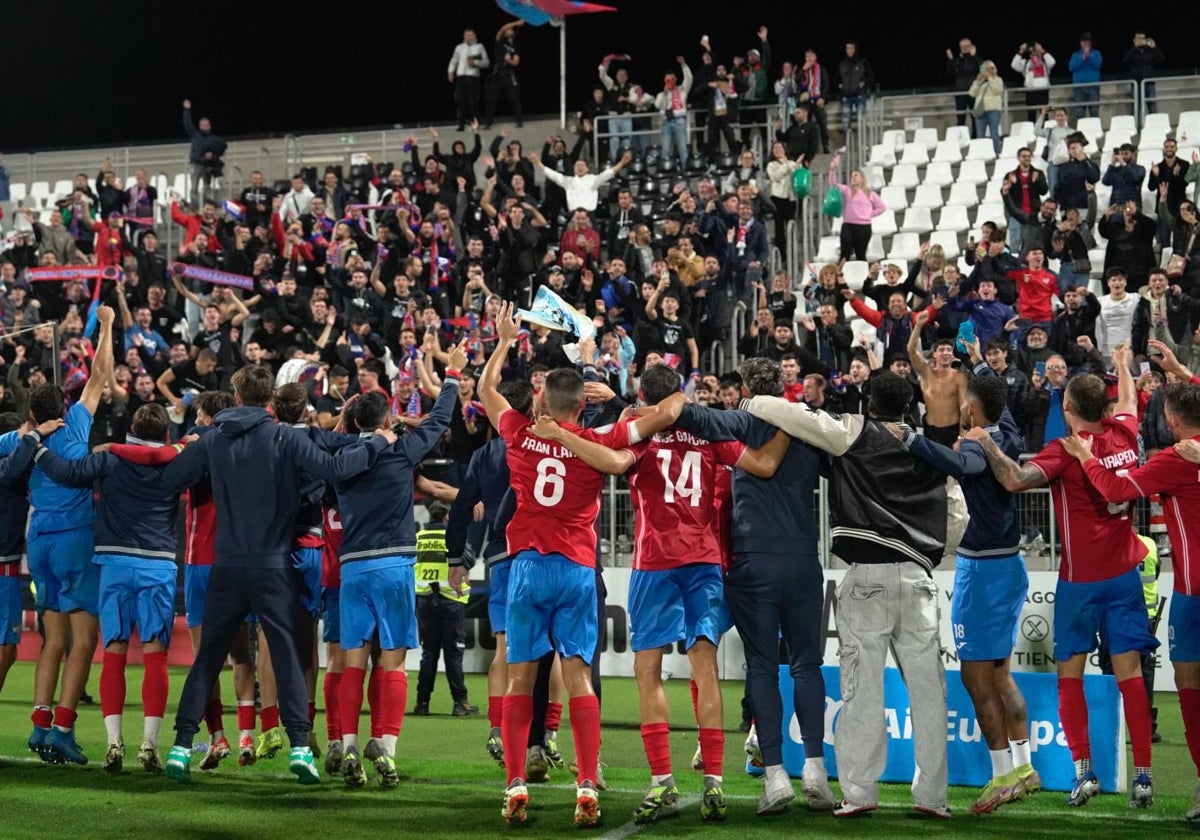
(966, 750)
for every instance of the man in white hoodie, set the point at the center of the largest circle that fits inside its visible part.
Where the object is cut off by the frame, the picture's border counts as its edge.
(1115, 324)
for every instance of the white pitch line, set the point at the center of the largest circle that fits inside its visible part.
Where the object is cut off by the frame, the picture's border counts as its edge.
(631, 828)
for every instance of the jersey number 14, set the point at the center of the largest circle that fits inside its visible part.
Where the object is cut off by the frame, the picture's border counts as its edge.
(687, 486)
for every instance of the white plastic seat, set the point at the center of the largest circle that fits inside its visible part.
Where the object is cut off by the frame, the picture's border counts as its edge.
(990, 212)
(62, 189)
(904, 175)
(963, 194)
(928, 195)
(954, 217)
(854, 272)
(1151, 140)
(914, 153)
(829, 250)
(894, 198)
(948, 151)
(1157, 122)
(959, 133)
(885, 223)
(875, 179)
(875, 247)
(39, 191)
(17, 191)
(1022, 129)
(981, 149)
(1123, 122)
(905, 246)
(927, 136)
(182, 184)
(883, 155)
(1003, 166)
(938, 174)
(895, 137)
(1012, 146)
(1112, 140)
(1090, 127)
(917, 220)
(972, 172)
(948, 239)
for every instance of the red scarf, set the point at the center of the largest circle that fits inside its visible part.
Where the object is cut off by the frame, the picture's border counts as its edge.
(812, 82)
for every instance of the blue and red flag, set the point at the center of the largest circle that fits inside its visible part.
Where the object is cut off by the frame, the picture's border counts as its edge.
(539, 12)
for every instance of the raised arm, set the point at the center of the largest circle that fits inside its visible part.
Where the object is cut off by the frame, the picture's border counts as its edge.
(828, 432)
(919, 365)
(421, 439)
(102, 364)
(595, 455)
(489, 380)
(1127, 401)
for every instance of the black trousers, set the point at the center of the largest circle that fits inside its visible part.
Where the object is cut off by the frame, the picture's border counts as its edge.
(504, 84)
(273, 595)
(718, 127)
(440, 622)
(855, 239)
(963, 103)
(466, 99)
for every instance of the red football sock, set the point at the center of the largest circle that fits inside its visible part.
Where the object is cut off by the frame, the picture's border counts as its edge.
(64, 718)
(155, 684)
(270, 717)
(712, 750)
(1137, 718)
(333, 718)
(656, 738)
(312, 712)
(374, 697)
(350, 697)
(695, 700)
(1189, 707)
(553, 715)
(585, 727)
(42, 718)
(245, 716)
(495, 710)
(514, 733)
(1072, 711)
(212, 716)
(394, 697)
(112, 684)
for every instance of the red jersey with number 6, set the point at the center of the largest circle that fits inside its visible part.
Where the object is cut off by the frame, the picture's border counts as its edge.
(674, 489)
(1098, 537)
(558, 495)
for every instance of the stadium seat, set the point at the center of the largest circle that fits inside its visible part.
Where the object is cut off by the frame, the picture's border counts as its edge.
(904, 175)
(972, 172)
(1112, 140)
(948, 239)
(1022, 129)
(916, 220)
(1157, 123)
(1090, 127)
(1123, 123)
(894, 198)
(1151, 140)
(954, 217)
(875, 178)
(1002, 167)
(963, 194)
(948, 151)
(829, 249)
(905, 246)
(895, 138)
(62, 189)
(882, 155)
(914, 153)
(990, 212)
(39, 191)
(854, 272)
(959, 133)
(1011, 146)
(928, 195)
(938, 174)
(875, 247)
(18, 193)
(885, 223)
(927, 136)
(981, 149)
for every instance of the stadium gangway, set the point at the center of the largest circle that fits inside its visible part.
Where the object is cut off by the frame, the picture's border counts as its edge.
(652, 129)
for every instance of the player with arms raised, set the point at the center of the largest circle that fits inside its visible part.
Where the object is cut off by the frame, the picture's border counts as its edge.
(1099, 586)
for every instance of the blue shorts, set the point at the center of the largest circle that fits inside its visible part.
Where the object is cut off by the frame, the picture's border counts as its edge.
(331, 629)
(986, 606)
(1183, 628)
(687, 603)
(60, 563)
(140, 595)
(552, 606)
(195, 589)
(1115, 608)
(11, 615)
(498, 594)
(379, 596)
(308, 565)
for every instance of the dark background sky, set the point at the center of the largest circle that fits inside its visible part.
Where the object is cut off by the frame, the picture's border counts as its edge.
(270, 69)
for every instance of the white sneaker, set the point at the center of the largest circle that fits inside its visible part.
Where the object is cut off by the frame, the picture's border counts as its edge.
(814, 784)
(777, 793)
(1193, 813)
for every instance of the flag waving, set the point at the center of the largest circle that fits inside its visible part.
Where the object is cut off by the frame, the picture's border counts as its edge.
(539, 12)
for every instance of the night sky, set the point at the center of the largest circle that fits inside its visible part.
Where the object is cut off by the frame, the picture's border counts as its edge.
(118, 72)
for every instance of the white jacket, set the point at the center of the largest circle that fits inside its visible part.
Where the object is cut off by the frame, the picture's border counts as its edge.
(1025, 67)
(662, 102)
(459, 65)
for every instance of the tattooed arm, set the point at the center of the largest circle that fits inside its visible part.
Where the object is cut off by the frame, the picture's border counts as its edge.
(1013, 476)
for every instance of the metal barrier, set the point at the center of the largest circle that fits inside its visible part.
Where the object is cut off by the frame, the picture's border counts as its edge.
(760, 129)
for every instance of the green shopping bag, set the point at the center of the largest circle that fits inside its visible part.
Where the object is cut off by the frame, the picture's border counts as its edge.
(832, 206)
(802, 182)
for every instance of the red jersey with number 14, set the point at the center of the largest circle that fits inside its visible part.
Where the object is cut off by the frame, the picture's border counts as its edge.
(1178, 482)
(558, 495)
(1098, 537)
(674, 489)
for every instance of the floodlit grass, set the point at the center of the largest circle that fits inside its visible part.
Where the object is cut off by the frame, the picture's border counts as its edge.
(449, 788)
